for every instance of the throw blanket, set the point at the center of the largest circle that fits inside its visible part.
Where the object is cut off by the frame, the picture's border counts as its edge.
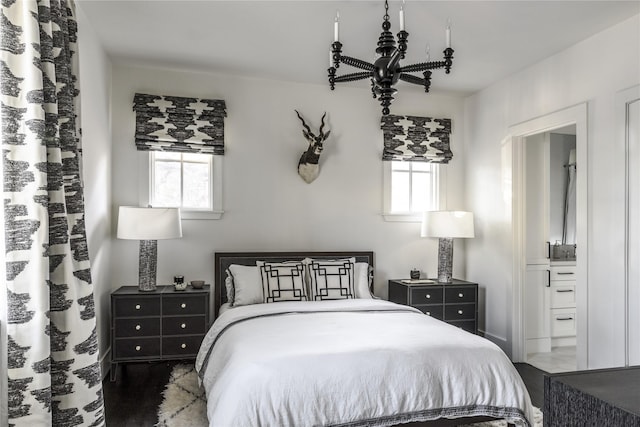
(354, 363)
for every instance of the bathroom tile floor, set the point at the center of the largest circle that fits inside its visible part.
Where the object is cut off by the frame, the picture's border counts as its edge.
(559, 359)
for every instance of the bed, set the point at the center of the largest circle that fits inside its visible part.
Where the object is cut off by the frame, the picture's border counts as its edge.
(350, 362)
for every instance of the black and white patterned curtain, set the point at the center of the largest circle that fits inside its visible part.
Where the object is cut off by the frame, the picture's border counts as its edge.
(53, 371)
(185, 125)
(418, 139)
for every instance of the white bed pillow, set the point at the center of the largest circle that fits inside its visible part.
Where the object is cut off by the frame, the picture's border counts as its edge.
(246, 284)
(282, 281)
(331, 279)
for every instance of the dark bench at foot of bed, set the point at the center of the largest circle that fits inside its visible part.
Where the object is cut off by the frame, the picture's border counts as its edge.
(602, 397)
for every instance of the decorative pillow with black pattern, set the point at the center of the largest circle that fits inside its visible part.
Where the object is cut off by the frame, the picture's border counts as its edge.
(282, 281)
(331, 279)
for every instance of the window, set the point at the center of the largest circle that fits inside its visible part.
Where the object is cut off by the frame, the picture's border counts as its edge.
(187, 181)
(410, 188)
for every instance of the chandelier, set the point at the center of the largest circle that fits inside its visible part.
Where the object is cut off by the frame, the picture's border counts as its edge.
(386, 70)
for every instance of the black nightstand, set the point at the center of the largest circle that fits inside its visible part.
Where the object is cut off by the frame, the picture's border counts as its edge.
(455, 303)
(164, 324)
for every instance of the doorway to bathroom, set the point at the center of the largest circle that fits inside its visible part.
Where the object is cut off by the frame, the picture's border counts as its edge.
(550, 249)
(550, 241)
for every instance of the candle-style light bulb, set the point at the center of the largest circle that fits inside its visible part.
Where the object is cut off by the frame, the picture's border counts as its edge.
(402, 16)
(428, 52)
(448, 32)
(336, 27)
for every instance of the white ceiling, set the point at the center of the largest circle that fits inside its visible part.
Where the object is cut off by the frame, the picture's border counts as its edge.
(290, 40)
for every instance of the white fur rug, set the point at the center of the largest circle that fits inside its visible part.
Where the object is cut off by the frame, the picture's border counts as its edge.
(185, 404)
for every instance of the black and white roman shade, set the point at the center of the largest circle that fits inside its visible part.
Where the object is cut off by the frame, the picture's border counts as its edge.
(177, 124)
(418, 139)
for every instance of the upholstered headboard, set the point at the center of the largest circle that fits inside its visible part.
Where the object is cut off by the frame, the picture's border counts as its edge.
(224, 259)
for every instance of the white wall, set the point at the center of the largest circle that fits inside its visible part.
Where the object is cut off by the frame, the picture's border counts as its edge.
(267, 205)
(591, 71)
(95, 93)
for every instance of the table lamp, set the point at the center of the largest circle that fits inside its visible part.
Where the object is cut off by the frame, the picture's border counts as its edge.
(446, 225)
(148, 225)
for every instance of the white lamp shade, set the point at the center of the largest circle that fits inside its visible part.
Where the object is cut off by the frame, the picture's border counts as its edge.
(448, 224)
(149, 223)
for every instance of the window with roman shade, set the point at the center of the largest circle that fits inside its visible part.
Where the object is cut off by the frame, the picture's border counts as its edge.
(418, 139)
(178, 124)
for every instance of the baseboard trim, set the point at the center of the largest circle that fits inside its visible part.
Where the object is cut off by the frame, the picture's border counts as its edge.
(538, 345)
(105, 363)
(499, 341)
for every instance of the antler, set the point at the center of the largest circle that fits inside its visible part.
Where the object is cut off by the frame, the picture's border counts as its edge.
(303, 122)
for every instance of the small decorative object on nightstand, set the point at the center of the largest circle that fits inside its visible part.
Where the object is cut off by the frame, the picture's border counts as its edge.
(179, 284)
(455, 302)
(157, 325)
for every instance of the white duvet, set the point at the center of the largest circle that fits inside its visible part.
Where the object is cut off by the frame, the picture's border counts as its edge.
(351, 362)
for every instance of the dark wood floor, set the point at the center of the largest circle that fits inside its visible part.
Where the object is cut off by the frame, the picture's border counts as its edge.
(133, 400)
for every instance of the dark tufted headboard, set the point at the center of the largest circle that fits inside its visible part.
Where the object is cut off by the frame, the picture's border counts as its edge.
(224, 259)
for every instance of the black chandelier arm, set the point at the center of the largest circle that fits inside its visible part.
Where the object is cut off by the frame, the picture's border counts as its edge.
(355, 62)
(412, 79)
(352, 77)
(423, 66)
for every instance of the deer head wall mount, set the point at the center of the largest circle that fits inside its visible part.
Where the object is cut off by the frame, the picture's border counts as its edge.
(308, 167)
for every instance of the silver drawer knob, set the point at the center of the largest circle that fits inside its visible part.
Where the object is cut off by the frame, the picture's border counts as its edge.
(460, 295)
(459, 311)
(183, 305)
(183, 346)
(428, 313)
(137, 306)
(138, 348)
(184, 325)
(137, 327)
(428, 296)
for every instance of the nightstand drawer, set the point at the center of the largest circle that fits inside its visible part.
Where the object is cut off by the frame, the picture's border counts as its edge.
(187, 345)
(183, 325)
(460, 312)
(132, 327)
(454, 294)
(467, 325)
(426, 295)
(435, 311)
(137, 347)
(183, 304)
(137, 306)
